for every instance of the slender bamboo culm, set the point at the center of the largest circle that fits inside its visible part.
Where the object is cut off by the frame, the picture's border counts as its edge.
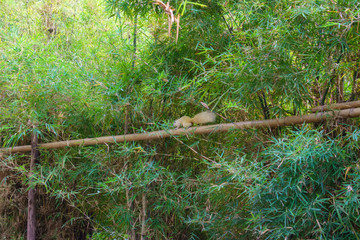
(336, 106)
(311, 118)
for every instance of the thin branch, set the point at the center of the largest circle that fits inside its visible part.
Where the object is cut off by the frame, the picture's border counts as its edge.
(126, 127)
(330, 83)
(169, 10)
(264, 105)
(204, 157)
(134, 40)
(131, 232)
(353, 90)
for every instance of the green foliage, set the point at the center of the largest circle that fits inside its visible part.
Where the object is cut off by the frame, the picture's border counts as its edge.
(72, 72)
(299, 194)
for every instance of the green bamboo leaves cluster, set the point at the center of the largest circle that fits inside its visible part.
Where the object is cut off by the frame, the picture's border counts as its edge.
(74, 73)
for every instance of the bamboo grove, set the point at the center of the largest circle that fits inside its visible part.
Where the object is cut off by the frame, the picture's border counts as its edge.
(86, 69)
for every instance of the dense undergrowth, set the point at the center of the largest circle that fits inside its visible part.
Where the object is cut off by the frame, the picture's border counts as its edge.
(70, 70)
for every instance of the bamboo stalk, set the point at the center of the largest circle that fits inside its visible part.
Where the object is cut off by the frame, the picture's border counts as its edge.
(143, 218)
(336, 106)
(311, 118)
(31, 219)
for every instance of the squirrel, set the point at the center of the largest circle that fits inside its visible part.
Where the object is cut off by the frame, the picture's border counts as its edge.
(200, 118)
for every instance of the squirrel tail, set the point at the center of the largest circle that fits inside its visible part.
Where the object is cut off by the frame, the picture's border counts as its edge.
(204, 117)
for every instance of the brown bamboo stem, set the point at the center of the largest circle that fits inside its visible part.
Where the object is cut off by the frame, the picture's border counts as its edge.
(143, 218)
(31, 219)
(311, 118)
(336, 106)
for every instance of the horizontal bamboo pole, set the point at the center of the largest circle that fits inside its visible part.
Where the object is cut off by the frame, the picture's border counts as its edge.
(311, 118)
(336, 106)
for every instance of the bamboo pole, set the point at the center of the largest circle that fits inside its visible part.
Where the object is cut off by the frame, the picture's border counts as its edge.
(311, 118)
(336, 106)
(31, 218)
